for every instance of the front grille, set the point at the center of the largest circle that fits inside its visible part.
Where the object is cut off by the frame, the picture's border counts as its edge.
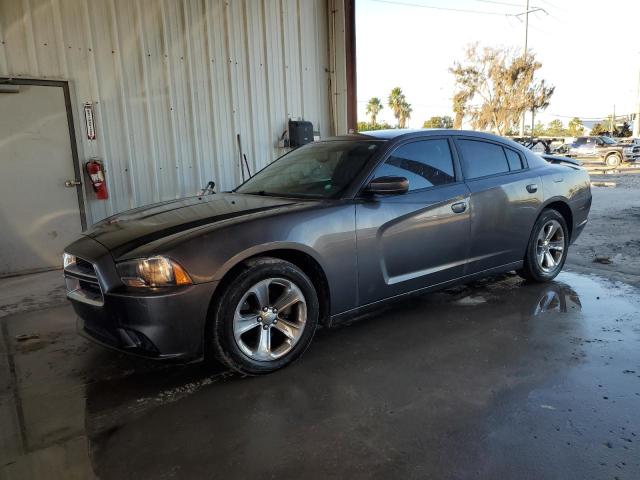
(85, 267)
(82, 283)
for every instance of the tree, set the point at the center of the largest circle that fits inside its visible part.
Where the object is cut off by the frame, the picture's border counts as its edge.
(576, 128)
(396, 101)
(538, 97)
(539, 130)
(598, 129)
(366, 126)
(460, 100)
(625, 130)
(494, 88)
(438, 122)
(404, 114)
(556, 128)
(373, 109)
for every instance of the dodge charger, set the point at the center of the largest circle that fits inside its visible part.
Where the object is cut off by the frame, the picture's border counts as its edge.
(331, 230)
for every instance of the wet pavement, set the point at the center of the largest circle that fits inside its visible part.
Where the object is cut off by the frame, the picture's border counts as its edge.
(492, 380)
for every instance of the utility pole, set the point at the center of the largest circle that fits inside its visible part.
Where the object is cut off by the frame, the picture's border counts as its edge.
(612, 123)
(636, 123)
(526, 45)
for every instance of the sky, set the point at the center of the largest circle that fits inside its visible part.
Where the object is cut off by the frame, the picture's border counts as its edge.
(589, 50)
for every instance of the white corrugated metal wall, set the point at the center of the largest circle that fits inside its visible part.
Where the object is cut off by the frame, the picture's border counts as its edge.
(173, 82)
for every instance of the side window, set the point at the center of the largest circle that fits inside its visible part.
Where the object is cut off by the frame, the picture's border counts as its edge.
(514, 159)
(426, 163)
(481, 158)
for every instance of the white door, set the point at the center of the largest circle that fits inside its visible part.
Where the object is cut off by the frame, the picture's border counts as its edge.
(39, 215)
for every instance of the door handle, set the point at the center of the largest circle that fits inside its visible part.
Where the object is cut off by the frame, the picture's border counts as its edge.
(532, 188)
(72, 183)
(459, 207)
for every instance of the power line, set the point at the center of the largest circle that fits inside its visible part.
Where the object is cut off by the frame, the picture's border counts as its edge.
(603, 117)
(553, 6)
(459, 10)
(495, 2)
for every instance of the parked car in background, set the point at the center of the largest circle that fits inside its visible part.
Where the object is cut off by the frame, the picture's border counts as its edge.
(604, 149)
(629, 141)
(330, 230)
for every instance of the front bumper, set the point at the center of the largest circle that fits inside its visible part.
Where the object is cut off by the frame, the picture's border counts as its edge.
(165, 324)
(160, 323)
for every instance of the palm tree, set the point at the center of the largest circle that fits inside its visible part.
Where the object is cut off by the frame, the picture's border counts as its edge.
(395, 101)
(404, 114)
(373, 109)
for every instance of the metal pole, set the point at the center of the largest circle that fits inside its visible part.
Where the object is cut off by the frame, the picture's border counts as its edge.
(526, 41)
(613, 122)
(533, 117)
(636, 123)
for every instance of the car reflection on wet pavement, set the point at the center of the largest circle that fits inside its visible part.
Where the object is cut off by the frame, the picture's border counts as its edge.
(503, 379)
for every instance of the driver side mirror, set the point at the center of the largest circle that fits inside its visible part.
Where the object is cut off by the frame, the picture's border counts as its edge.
(388, 186)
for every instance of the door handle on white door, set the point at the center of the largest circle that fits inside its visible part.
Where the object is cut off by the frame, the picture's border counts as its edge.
(72, 183)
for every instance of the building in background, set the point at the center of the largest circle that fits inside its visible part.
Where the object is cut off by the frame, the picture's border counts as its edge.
(157, 91)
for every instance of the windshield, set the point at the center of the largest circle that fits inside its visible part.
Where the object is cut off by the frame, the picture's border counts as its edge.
(315, 170)
(607, 140)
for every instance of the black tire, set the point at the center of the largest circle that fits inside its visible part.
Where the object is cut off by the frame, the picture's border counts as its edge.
(531, 269)
(220, 339)
(613, 160)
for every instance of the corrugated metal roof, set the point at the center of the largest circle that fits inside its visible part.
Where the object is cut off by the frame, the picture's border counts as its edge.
(173, 82)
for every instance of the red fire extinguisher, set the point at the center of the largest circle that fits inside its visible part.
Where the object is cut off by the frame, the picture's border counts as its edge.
(95, 170)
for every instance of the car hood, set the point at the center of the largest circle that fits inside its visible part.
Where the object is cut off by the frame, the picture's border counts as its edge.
(133, 228)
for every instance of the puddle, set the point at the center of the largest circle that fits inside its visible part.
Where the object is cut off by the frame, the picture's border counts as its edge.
(488, 377)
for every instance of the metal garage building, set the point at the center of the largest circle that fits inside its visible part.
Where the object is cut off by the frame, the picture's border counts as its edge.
(156, 90)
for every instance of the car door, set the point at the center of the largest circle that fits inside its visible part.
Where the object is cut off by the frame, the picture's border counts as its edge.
(504, 200)
(588, 148)
(417, 239)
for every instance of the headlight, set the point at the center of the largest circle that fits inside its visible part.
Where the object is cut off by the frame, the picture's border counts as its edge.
(68, 259)
(628, 150)
(152, 272)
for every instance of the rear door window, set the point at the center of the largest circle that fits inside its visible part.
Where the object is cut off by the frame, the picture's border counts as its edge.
(514, 159)
(481, 159)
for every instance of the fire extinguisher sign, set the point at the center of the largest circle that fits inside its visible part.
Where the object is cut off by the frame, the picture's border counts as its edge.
(89, 121)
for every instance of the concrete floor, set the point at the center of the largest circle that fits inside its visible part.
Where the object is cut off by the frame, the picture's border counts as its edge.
(492, 380)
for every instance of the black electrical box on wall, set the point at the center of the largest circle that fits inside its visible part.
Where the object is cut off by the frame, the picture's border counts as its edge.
(300, 133)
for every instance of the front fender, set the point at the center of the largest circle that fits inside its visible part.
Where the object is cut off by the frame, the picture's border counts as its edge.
(264, 249)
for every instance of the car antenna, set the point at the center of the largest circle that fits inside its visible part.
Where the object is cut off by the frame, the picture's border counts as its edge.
(241, 155)
(247, 165)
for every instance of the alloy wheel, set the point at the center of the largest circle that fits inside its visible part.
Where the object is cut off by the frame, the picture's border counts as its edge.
(550, 246)
(613, 160)
(270, 319)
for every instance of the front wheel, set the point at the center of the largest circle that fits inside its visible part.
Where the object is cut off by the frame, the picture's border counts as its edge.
(265, 318)
(613, 160)
(547, 248)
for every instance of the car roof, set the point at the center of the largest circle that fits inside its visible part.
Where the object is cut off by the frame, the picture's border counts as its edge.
(401, 133)
(398, 134)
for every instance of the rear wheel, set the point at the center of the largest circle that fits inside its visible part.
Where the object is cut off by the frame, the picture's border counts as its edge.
(547, 248)
(613, 160)
(266, 317)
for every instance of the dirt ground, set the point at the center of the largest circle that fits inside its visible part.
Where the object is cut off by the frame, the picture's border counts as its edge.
(613, 231)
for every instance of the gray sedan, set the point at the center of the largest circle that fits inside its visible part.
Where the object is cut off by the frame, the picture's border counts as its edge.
(330, 230)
